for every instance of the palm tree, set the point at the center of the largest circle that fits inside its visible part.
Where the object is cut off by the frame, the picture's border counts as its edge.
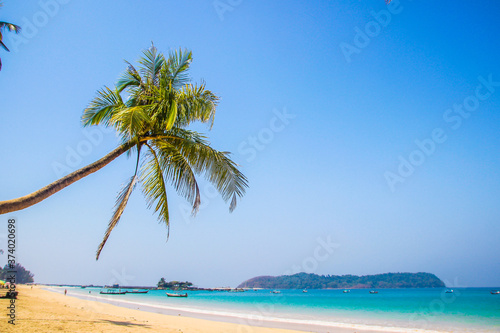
(6, 26)
(152, 124)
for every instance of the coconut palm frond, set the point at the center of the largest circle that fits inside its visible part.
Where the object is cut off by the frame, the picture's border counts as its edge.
(102, 108)
(221, 171)
(216, 166)
(154, 186)
(4, 46)
(178, 172)
(152, 63)
(10, 26)
(121, 203)
(196, 104)
(131, 78)
(131, 121)
(178, 64)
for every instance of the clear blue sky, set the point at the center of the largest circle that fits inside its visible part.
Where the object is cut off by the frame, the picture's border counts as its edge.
(340, 163)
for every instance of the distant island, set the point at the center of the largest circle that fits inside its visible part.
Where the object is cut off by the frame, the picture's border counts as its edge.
(314, 281)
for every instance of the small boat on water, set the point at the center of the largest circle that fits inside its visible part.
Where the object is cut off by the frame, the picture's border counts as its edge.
(304, 291)
(136, 291)
(373, 292)
(449, 291)
(177, 295)
(346, 291)
(275, 292)
(495, 292)
(112, 292)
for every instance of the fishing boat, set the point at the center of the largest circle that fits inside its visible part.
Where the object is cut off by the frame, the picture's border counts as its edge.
(346, 291)
(449, 291)
(304, 291)
(136, 291)
(275, 292)
(177, 295)
(495, 292)
(112, 292)
(373, 292)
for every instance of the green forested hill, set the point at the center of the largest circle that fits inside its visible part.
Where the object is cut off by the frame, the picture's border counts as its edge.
(314, 281)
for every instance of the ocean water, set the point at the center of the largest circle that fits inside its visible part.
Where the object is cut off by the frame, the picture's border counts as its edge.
(397, 310)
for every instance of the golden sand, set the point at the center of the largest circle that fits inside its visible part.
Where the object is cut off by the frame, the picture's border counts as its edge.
(39, 310)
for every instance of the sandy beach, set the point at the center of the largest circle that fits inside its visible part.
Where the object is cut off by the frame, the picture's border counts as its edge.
(39, 310)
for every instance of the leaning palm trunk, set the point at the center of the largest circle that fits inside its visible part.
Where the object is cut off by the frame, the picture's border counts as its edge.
(42, 194)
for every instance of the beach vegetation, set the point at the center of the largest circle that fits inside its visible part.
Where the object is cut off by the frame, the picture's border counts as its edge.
(315, 281)
(22, 275)
(174, 285)
(6, 26)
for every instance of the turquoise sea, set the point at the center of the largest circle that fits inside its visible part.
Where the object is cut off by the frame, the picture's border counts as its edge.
(394, 310)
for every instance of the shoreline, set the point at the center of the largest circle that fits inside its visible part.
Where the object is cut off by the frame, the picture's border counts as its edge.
(41, 310)
(246, 319)
(47, 309)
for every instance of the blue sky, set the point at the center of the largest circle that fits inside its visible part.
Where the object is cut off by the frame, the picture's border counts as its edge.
(318, 131)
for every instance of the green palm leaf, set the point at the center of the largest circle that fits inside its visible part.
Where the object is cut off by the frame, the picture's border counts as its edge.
(178, 171)
(216, 166)
(154, 186)
(196, 104)
(9, 27)
(178, 64)
(131, 78)
(121, 202)
(4, 46)
(131, 121)
(152, 63)
(171, 115)
(102, 108)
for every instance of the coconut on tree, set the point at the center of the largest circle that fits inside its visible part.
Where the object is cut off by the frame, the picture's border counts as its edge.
(9, 27)
(151, 108)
